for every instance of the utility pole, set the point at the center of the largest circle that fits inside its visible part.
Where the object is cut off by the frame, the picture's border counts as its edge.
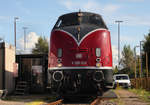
(15, 19)
(141, 56)
(135, 61)
(25, 28)
(118, 22)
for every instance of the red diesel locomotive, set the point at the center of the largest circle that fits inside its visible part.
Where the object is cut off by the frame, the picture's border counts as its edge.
(80, 56)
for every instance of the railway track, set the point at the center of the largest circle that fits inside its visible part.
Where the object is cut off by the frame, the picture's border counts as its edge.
(97, 101)
(105, 99)
(58, 102)
(102, 101)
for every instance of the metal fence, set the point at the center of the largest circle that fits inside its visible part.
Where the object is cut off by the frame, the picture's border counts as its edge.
(143, 83)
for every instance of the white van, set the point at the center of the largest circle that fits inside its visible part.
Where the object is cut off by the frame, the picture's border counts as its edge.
(121, 79)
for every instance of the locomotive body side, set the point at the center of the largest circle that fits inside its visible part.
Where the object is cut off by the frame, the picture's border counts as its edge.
(80, 61)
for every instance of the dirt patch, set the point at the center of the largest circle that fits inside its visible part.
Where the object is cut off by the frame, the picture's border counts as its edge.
(11, 103)
(126, 97)
(27, 100)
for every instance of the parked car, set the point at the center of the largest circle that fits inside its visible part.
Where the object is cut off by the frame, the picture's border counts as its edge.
(122, 80)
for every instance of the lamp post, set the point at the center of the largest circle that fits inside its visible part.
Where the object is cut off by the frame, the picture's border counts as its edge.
(118, 22)
(135, 59)
(25, 28)
(141, 55)
(15, 19)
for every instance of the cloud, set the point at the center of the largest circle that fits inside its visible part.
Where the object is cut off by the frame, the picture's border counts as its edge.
(31, 39)
(1, 28)
(109, 11)
(106, 10)
(128, 39)
(136, 20)
(19, 4)
(90, 5)
(4, 18)
(133, 0)
(111, 8)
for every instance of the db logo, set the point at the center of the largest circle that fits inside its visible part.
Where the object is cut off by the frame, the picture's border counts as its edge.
(78, 56)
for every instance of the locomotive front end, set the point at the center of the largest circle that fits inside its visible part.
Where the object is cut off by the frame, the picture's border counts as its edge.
(80, 56)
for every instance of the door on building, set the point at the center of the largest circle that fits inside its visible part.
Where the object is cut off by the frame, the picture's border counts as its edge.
(32, 72)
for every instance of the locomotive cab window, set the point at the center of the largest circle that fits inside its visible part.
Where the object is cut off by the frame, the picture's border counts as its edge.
(98, 52)
(59, 53)
(93, 20)
(85, 19)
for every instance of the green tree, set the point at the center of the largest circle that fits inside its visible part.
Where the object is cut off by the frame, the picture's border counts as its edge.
(41, 47)
(127, 61)
(115, 70)
(146, 45)
(146, 48)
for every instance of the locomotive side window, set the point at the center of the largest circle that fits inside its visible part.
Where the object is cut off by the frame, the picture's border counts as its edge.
(59, 53)
(67, 20)
(98, 52)
(58, 23)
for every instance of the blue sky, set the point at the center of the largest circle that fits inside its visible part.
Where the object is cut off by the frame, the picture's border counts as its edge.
(40, 16)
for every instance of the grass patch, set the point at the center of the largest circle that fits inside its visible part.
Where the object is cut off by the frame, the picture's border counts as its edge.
(41, 101)
(36, 102)
(31, 100)
(143, 94)
(117, 101)
(50, 98)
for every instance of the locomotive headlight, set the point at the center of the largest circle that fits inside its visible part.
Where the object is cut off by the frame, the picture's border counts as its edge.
(98, 64)
(59, 65)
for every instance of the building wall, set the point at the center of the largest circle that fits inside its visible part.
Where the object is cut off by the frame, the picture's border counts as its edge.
(7, 59)
(9, 64)
(1, 68)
